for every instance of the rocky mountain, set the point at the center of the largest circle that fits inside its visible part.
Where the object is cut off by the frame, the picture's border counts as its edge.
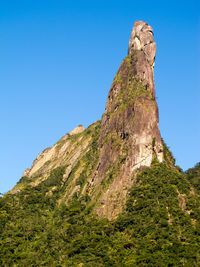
(129, 136)
(108, 195)
(128, 140)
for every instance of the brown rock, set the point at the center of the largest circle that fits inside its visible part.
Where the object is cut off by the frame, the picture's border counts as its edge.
(130, 136)
(142, 39)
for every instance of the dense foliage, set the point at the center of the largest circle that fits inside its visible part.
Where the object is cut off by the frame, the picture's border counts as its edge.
(193, 175)
(160, 225)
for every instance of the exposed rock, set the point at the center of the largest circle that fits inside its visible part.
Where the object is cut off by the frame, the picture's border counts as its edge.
(26, 172)
(142, 39)
(53, 152)
(77, 130)
(182, 202)
(41, 159)
(130, 136)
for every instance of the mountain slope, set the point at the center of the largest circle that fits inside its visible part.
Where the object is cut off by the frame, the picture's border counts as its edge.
(160, 225)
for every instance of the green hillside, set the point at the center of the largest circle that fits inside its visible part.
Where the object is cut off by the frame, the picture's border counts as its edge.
(160, 225)
(193, 175)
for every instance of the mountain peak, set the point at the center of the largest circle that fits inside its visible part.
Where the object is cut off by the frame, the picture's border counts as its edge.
(142, 39)
(129, 137)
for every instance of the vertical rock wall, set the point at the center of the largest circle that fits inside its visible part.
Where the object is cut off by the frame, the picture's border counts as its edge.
(130, 136)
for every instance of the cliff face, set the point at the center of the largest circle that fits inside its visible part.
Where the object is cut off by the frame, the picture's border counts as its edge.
(102, 161)
(130, 136)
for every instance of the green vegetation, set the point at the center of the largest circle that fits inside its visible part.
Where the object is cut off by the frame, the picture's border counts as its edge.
(193, 175)
(131, 89)
(162, 234)
(24, 180)
(168, 157)
(85, 166)
(153, 230)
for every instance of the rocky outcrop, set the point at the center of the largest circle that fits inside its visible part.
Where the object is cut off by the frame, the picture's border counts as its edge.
(142, 39)
(77, 130)
(130, 136)
(55, 153)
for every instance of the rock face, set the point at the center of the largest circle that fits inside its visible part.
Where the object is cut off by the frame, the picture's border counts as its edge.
(142, 39)
(130, 136)
(77, 130)
(54, 153)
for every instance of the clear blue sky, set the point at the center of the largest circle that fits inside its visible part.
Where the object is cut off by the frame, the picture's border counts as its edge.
(57, 62)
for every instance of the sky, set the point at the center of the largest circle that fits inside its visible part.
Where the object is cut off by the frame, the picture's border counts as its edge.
(58, 59)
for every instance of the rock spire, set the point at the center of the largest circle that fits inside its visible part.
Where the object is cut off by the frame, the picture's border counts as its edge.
(142, 39)
(130, 137)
